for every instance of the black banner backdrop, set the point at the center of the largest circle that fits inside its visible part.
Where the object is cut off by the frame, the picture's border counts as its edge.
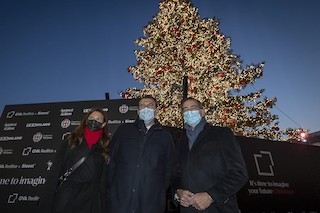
(283, 177)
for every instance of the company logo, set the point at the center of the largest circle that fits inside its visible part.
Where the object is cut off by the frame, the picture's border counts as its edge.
(39, 136)
(32, 125)
(29, 150)
(49, 163)
(10, 138)
(5, 151)
(9, 166)
(114, 122)
(123, 108)
(12, 198)
(65, 135)
(9, 126)
(88, 109)
(264, 163)
(15, 197)
(66, 112)
(43, 113)
(10, 114)
(65, 123)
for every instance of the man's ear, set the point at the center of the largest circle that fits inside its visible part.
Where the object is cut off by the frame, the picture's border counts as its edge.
(202, 113)
(156, 111)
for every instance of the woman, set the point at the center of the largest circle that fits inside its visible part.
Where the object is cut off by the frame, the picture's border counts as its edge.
(84, 190)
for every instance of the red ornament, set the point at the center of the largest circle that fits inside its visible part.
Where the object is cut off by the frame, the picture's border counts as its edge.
(191, 79)
(244, 81)
(233, 122)
(224, 118)
(192, 90)
(139, 63)
(217, 87)
(221, 75)
(159, 72)
(226, 111)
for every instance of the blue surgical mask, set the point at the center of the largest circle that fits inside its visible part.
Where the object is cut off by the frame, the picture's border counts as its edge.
(146, 114)
(192, 118)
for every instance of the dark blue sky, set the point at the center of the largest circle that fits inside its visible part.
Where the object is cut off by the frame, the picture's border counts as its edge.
(71, 50)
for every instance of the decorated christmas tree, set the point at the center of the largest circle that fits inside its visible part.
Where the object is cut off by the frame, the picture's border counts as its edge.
(179, 45)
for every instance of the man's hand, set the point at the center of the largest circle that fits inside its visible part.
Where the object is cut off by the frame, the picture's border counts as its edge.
(201, 201)
(185, 197)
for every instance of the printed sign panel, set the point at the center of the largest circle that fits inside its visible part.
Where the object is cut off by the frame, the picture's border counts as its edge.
(30, 135)
(283, 177)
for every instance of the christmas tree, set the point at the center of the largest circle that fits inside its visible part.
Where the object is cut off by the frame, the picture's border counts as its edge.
(179, 45)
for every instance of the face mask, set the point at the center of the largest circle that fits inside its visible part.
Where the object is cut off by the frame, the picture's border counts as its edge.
(93, 125)
(146, 114)
(192, 118)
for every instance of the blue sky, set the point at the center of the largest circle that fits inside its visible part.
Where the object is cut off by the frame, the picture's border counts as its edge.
(73, 50)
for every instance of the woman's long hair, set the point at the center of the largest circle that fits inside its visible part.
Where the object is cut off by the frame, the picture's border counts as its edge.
(76, 136)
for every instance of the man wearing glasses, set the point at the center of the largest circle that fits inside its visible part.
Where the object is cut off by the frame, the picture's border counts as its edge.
(212, 169)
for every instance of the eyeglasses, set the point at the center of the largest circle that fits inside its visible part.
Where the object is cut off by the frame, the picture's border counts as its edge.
(192, 108)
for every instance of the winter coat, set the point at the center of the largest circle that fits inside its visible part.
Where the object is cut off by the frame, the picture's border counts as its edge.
(84, 190)
(140, 168)
(214, 165)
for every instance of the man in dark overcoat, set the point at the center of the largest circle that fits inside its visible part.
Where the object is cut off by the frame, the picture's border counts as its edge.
(212, 168)
(141, 164)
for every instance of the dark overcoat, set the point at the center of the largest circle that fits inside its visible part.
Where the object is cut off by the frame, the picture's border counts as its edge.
(214, 165)
(84, 191)
(140, 168)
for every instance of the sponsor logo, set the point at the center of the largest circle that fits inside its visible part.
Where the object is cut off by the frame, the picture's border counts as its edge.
(20, 114)
(129, 121)
(264, 163)
(15, 197)
(123, 108)
(10, 138)
(10, 114)
(8, 166)
(65, 135)
(9, 126)
(5, 151)
(41, 113)
(49, 163)
(15, 166)
(114, 122)
(29, 150)
(88, 109)
(66, 112)
(66, 123)
(32, 125)
(39, 136)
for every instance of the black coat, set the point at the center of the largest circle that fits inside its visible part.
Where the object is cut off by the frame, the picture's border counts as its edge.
(140, 168)
(214, 165)
(83, 191)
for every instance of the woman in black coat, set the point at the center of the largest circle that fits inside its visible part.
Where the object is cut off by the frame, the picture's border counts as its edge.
(84, 190)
